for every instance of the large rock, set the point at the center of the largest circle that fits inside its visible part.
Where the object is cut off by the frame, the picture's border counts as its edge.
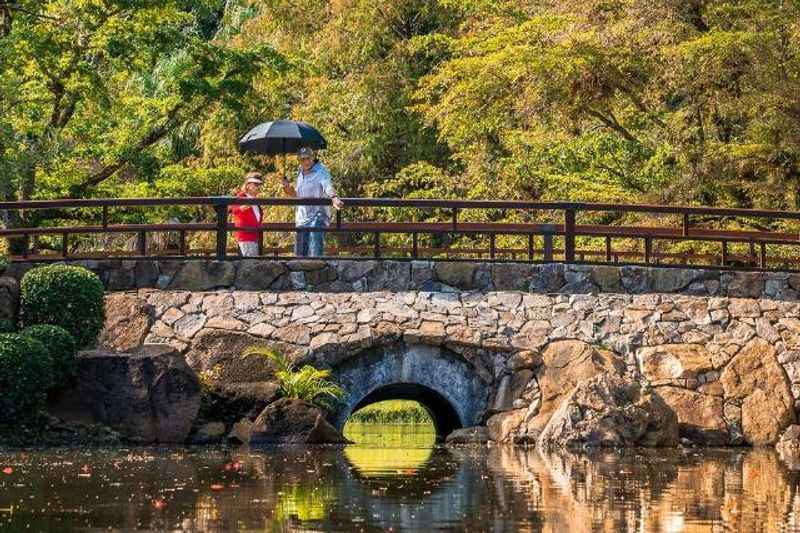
(610, 411)
(456, 274)
(566, 363)
(204, 275)
(755, 378)
(788, 447)
(290, 421)
(9, 298)
(700, 416)
(257, 275)
(473, 435)
(231, 402)
(503, 427)
(150, 396)
(128, 321)
(668, 363)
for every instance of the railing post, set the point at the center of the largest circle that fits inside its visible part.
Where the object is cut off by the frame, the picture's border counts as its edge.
(548, 230)
(141, 243)
(569, 235)
(221, 207)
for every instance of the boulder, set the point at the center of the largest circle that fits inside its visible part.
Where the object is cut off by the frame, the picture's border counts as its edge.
(230, 402)
(610, 411)
(455, 274)
(208, 433)
(258, 275)
(788, 447)
(225, 350)
(291, 421)
(128, 321)
(473, 435)
(502, 427)
(674, 363)
(240, 432)
(565, 364)
(700, 416)
(9, 298)
(204, 275)
(756, 379)
(149, 396)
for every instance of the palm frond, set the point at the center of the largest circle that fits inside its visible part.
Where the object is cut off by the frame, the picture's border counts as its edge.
(307, 383)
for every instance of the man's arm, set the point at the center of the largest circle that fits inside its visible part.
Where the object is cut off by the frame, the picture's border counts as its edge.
(330, 192)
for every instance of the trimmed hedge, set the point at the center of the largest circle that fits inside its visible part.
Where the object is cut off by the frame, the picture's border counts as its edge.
(26, 373)
(60, 345)
(66, 296)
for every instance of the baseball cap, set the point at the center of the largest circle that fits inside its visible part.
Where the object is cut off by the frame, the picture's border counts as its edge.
(305, 152)
(254, 177)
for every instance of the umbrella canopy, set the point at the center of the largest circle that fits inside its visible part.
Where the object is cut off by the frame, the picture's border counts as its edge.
(281, 137)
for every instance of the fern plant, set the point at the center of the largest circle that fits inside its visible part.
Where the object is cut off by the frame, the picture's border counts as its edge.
(306, 383)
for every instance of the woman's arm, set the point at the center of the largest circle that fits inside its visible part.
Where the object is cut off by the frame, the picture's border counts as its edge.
(288, 190)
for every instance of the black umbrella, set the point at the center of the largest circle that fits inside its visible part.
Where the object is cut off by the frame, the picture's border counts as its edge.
(281, 137)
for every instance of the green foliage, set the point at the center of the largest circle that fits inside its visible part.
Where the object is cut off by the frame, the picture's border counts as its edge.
(392, 412)
(26, 373)
(60, 345)
(66, 296)
(7, 326)
(306, 383)
(653, 102)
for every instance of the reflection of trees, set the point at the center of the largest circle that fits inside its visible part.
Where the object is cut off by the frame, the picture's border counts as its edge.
(463, 489)
(413, 474)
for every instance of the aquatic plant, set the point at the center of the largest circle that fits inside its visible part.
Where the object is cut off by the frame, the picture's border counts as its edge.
(66, 296)
(306, 383)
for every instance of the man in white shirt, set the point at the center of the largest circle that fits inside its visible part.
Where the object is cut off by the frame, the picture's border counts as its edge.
(313, 181)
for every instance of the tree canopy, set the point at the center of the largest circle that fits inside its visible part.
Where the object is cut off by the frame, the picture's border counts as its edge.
(668, 101)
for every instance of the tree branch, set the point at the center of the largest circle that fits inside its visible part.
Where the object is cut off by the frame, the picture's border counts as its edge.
(152, 137)
(611, 123)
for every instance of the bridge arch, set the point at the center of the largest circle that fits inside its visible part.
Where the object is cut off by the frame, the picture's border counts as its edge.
(442, 381)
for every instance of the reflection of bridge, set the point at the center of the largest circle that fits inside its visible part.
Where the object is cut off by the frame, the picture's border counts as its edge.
(540, 231)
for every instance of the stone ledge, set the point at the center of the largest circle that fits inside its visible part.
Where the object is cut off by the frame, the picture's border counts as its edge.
(444, 277)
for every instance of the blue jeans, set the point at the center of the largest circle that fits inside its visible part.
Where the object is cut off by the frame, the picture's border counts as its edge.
(310, 243)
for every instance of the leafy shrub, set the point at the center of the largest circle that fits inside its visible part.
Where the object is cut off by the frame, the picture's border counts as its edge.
(26, 372)
(307, 383)
(66, 296)
(3, 263)
(60, 345)
(7, 326)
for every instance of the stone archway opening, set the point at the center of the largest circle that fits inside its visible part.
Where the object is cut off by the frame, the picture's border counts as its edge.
(444, 416)
(440, 380)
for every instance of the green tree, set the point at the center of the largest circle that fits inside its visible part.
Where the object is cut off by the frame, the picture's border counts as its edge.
(97, 94)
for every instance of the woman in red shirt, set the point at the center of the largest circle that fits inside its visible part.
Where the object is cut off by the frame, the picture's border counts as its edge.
(247, 218)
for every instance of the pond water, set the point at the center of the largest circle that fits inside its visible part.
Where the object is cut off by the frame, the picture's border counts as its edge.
(396, 480)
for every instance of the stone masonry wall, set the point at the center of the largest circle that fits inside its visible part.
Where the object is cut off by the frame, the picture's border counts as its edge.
(729, 367)
(371, 276)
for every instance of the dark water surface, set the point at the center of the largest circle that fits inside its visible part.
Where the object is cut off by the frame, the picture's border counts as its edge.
(398, 484)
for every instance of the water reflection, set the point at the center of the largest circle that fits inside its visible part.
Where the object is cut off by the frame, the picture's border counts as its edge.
(371, 488)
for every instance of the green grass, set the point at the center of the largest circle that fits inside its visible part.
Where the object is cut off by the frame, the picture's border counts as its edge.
(392, 412)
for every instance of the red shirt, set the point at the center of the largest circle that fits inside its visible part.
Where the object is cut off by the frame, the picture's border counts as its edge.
(246, 216)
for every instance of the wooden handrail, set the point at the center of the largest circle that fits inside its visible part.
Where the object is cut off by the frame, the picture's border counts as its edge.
(567, 231)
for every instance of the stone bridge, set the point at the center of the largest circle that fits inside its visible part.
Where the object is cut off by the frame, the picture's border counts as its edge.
(498, 344)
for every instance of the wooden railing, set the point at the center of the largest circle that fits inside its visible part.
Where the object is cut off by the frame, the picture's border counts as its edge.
(535, 241)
